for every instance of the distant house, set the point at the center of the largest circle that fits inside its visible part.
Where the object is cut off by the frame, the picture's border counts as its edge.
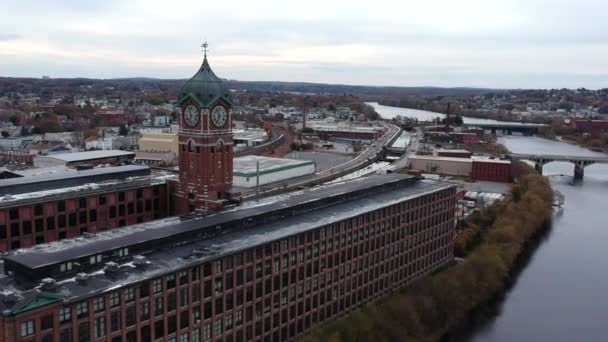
(163, 120)
(99, 143)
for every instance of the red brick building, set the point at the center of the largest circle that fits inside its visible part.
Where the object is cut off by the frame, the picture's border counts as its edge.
(317, 257)
(588, 125)
(495, 170)
(39, 209)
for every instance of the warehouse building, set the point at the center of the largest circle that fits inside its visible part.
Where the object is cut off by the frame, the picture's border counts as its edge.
(271, 170)
(478, 168)
(265, 272)
(442, 165)
(491, 169)
(112, 157)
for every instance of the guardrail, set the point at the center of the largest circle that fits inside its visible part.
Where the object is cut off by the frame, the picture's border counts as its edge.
(370, 155)
(262, 147)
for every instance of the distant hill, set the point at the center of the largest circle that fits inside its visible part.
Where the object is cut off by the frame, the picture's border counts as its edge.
(171, 86)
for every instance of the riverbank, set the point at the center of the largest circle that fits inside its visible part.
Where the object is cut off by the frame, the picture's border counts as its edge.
(433, 305)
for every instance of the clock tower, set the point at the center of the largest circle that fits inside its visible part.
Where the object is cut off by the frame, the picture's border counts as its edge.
(205, 142)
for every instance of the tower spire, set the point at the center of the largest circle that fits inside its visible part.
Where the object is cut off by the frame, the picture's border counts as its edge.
(204, 46)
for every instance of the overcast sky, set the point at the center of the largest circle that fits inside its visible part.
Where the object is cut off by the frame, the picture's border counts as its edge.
(478, 43)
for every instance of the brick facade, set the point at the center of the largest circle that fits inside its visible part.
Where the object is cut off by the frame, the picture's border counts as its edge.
(270, 292)
(50, 220)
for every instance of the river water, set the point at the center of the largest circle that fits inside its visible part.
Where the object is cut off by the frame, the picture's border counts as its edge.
(561, 294)
(388, 112)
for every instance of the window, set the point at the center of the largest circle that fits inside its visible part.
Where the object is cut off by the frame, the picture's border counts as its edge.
(14, 214)
(65, 315)
(82, 217)
(27, 328)
(121, 196)
(93, 215)
(183, 277)
(131, 315)
(144, 311)
(38, 210)
(66, 266)
(61, 221)
(46, 322)
(82, 203)
(157, 285)
(218, 327)
(112, 211)
(100, 327)
(61, 206)
(115, 321)
(50, 223)
(102, 199)
(3, 233)
(95, 259)
(15, 229)
(99, 304)
(139, 193)
(72, 219)
(114, 299)
(171, 281)
(207, 332)
(158, 306)
(27, 227)
(82, 310)
(129, 294)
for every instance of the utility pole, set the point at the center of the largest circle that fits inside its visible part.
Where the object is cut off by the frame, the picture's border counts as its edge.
(257, 179)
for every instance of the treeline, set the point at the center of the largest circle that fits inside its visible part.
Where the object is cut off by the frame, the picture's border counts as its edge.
(430, 307)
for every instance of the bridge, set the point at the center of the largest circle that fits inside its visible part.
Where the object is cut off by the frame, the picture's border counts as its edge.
(508, 127)
(579, 162)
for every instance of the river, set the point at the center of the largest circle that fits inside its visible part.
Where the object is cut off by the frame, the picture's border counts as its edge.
(560, 295)
(388, 112)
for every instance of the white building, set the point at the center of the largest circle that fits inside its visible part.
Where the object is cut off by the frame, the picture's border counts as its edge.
(271, 170)
(99, 144)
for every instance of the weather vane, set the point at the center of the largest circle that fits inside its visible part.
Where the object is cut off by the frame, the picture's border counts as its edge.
(204, 46)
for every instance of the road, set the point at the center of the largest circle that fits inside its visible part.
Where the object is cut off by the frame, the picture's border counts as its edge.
(410, 150)
(366, 157)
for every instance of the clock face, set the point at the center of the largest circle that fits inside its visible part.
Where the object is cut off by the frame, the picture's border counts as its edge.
(191, 115)
(219, 116)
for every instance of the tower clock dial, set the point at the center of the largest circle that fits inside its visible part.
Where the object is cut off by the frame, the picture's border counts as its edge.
(191, 115)
(219, 116)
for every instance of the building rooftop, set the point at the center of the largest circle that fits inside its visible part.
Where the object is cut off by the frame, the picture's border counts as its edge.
(490, 159)
(447, 150)
(437, 158)
(175, 243)
(90, 155)
(33, 193)
(246, 166)
(64, 179)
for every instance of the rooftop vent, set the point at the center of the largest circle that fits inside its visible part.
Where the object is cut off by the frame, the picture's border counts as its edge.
(111, 266)
(48, 283)
(8, 297)
(88, 235)
(140, 260)
(82, 277)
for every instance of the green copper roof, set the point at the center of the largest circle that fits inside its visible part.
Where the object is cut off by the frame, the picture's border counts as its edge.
(37, 300)
(204, 87)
